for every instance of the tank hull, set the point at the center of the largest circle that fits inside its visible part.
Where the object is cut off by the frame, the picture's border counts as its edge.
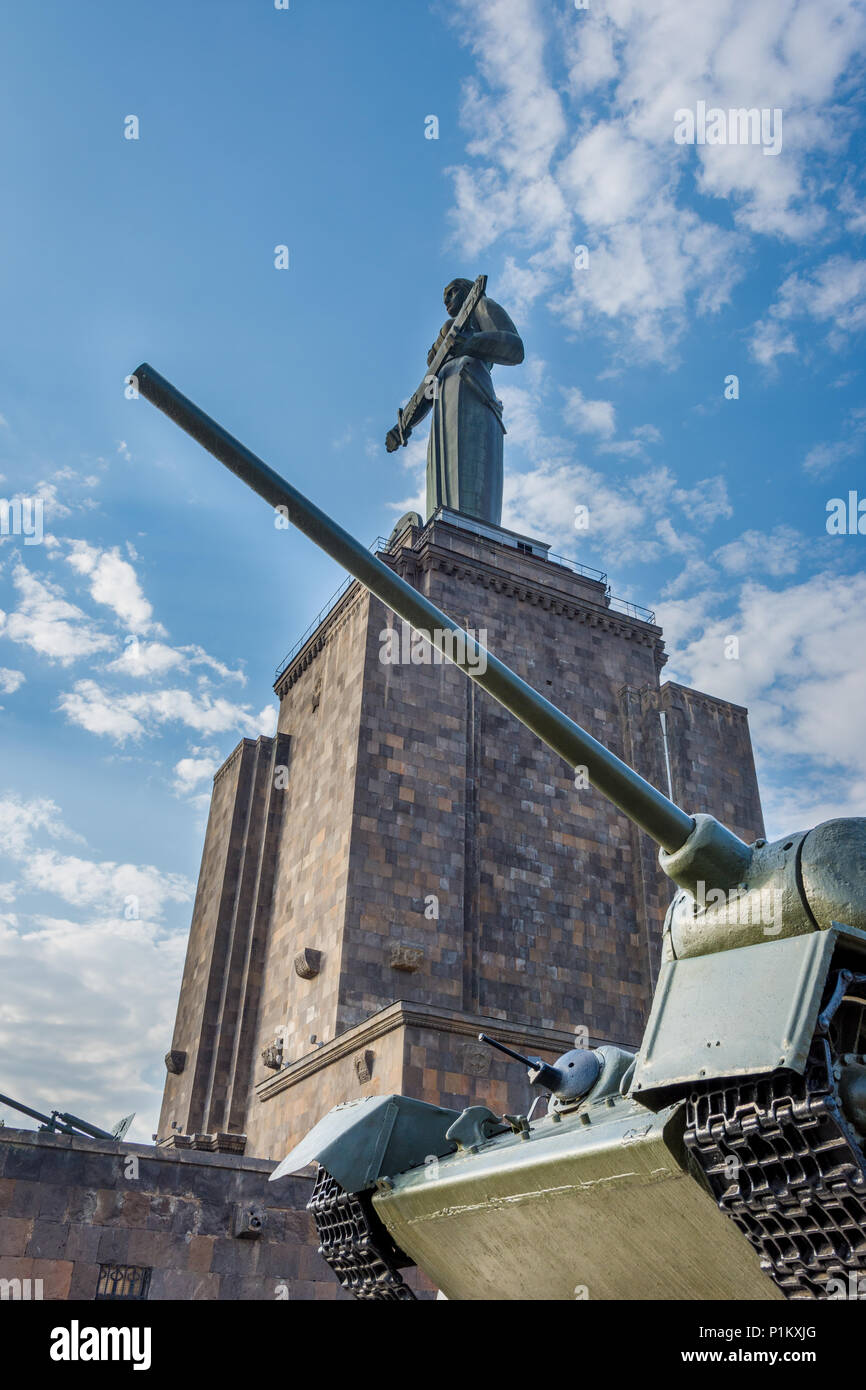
(598, 1205)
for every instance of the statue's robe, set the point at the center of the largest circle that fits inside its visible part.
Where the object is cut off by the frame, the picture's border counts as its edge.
(464, 453)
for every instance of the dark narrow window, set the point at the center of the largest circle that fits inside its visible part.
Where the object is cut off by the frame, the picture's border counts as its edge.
(123, 1281)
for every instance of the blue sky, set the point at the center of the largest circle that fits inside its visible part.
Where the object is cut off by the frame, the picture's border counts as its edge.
(138, 641)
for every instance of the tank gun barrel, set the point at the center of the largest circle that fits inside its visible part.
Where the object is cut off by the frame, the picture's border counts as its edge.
(58, 1120)
(540, 1073)
(84, 1126)
(25, 1109)
(509, 1051)
(649, 808)
(573, 1075)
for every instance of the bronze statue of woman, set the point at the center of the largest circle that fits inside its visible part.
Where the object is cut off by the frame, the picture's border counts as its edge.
(464, 452)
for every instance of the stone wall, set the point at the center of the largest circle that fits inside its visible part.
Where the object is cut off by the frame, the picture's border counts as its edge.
(712, 765)
(320, 712)
(475, 809)
(69, 1205)
(216, 1026)
(409, 1049)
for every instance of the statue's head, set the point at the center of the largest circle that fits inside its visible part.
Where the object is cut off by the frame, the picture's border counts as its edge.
(454, 295)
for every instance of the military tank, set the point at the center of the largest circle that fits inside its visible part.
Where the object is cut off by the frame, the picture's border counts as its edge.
(723, 1159)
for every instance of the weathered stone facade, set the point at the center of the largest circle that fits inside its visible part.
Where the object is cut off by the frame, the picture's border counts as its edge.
(202, 1225)
(430, 850)
(70, 1205)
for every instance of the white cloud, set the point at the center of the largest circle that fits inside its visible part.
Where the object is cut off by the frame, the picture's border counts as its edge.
(648, 434)
(648, 277)
(571, 116)
(146, 659)
(625, 448)
(72, 989)
(191, 772)
(10, 680)
(589, 417)
(110, 887)
(20, 820)
(50, 625)
(640, 517)
(769, 341)
(799, 671)
(543, 501)
(113, 582)
(83, 883)
(516, 130)
(608, 176)
(48, 492)
(780, 55)
(100, 713)
(707, 501)
(519, 286)
(634, 446)
(822, 458)
(112, 974)
(414, 460)
(776, 552)
(854, 209)
(132, 716)
(833, 294)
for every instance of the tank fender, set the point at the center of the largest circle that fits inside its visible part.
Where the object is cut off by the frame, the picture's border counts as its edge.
(738, 1013)
(375, 1136)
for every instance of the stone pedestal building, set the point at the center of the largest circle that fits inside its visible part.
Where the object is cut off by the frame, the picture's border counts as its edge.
(403, 865)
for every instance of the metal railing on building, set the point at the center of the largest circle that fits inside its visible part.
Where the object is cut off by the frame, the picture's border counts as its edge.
(620, 605)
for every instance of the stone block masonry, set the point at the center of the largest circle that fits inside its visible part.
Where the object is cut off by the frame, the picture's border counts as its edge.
(70, 1206)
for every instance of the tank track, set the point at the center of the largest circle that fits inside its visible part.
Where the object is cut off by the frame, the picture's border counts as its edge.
(354, 1243)
(782, 1161)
